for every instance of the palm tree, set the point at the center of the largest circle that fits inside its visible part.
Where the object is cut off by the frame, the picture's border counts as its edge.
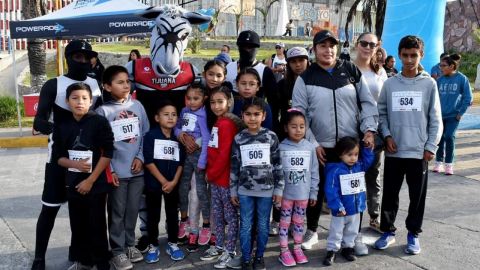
(35, 46)
(264, 11)
(368, 5)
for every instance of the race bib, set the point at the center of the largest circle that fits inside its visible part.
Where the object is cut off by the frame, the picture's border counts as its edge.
(77, 155)
(352, 183)
(255, 154)
(189, 121)
(295, 160)
(408, 101)
(166, 150)
(213, 142)
(125, 129)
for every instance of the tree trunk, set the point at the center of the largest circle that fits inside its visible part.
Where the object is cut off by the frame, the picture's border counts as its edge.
(36, 50)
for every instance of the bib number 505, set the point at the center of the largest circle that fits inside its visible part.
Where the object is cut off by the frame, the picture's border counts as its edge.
(255, 154)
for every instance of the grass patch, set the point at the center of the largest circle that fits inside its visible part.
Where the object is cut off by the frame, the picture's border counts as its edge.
(468, 65)
(27, 122)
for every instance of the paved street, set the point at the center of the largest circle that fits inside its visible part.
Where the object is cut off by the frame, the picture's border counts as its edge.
(451, 238)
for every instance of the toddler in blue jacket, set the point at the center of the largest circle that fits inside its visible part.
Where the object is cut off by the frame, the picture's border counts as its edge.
(345, 193)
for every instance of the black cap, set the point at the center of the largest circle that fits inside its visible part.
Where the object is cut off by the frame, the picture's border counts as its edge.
(324, 35)
(248, 37)
(77, 45)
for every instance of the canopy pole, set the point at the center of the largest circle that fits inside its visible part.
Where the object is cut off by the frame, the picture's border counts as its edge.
(17, 96)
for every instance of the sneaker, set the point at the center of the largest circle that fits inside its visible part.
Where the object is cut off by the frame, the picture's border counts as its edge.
(448, 168)
(121, 262)
(360, 248)
(192, 243)
(375, 225)
(142, 244)
(235, 263)
(79, 266)
(211, 254)
(175, 252)
(438, 167)
(309, 239)
(134, 254)
(258, 264)
(223, 260)
(385, 240)
(182, 229)
(247, 266)
(286, 258)
(38, 264)
(329, 258)
(152, 254)
(413, 245)
(348, 254)
(213, 240)
(273, 228)
(299, 256)
(204, 236)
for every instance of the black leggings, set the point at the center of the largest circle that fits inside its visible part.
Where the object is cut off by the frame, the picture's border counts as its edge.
(45, 223)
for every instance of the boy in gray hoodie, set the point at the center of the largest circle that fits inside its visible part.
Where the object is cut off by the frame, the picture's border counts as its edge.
(129, 123)
(411, 123)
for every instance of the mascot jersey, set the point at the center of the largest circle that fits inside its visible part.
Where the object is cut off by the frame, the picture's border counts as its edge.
(150, 88)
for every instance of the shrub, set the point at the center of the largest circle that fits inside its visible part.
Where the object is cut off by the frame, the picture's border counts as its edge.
(8, 108)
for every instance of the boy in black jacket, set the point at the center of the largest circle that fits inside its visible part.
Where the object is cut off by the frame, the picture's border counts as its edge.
(84, 145)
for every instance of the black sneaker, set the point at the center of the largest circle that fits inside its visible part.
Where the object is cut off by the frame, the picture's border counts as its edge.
(246, 266)
(38, 264)
(142, 244)
(259, 264)
(330, 258)
(192, 243)
(349, 254)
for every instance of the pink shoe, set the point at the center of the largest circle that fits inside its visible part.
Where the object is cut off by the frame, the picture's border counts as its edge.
(438, 167)
(182, 230)
(448, 168)
(299, 256)
(286, 258)
(204, 236)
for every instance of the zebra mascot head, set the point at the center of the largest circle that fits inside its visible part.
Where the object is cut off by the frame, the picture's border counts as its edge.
(170, 36)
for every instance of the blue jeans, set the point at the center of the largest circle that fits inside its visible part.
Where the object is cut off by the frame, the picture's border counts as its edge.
(261, 206)
(446, 147)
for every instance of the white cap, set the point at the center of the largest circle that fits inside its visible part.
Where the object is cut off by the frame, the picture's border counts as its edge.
(297, 52)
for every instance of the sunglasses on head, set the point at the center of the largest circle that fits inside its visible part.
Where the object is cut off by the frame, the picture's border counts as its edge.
(365, 44)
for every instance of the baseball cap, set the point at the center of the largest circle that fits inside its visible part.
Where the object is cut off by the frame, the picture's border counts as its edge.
(280, 45)
(78, 45)
(324, 35)
(297, 52)
(248, 37)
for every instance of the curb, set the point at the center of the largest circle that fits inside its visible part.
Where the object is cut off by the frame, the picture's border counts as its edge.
(23, 142)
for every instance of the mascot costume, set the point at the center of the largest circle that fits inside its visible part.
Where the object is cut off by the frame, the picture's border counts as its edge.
(165, 75)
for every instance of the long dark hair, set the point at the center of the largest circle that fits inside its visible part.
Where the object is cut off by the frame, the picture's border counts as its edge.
(290, 76)
(136, 52)
(374, 65)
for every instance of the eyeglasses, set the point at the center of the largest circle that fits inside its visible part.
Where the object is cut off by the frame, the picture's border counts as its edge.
(364, 44)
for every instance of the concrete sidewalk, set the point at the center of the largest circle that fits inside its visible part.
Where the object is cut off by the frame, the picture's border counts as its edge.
(451, 238)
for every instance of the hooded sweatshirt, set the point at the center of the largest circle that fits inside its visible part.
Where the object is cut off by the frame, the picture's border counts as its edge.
(299, 160)
(455, 94)
(409, 110)
(129, 124)
(220, 149)
(256, 167)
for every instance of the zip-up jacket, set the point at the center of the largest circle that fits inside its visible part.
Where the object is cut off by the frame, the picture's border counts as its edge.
(329, 101)
(220, 149)
(352, 204)
(410, 113)
(91, 133)
(126, 150)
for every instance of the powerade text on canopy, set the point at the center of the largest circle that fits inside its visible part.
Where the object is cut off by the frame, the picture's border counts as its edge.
(131, 24)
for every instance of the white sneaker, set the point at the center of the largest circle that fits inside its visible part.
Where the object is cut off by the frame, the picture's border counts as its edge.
(121, 262)
(79, 266)
(223, 260)
(309, 239)
(273, 228)
(360, 248)
(438, 167)
(211, 254)
(235, 263)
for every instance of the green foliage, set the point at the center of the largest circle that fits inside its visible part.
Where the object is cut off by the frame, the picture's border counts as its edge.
(468, 64)
(8, 108)
(195, 43)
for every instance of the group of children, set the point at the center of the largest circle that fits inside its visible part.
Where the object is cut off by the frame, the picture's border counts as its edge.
(241, 171)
